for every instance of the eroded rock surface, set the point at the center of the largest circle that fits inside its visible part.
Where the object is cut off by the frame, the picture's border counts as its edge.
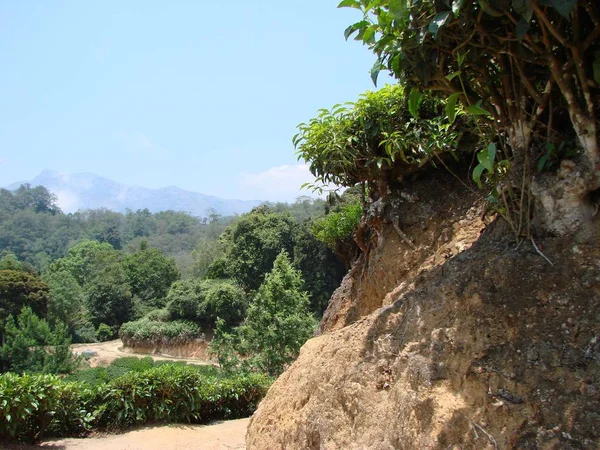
(466, 343)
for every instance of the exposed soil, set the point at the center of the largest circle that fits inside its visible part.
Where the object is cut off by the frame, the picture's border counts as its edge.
(220, 436)
(107, 352)
(468, 342)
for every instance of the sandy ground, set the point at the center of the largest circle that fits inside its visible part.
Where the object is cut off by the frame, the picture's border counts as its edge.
(111, 350)
(228, 435)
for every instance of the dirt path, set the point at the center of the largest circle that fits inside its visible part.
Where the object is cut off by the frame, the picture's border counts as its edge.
(228, 435)
(107, 352)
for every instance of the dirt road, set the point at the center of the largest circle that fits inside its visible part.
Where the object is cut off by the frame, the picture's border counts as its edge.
(228, 435)
(106, 352)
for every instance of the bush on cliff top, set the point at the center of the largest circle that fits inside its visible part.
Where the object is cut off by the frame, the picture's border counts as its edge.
(146, 332)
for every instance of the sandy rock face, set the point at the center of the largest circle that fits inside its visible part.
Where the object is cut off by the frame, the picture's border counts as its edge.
(480, 346)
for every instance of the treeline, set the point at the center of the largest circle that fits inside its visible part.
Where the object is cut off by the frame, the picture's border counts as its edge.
(82, 276)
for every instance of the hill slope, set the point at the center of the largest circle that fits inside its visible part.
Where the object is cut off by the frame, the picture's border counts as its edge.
(91, 191)
(465, 342)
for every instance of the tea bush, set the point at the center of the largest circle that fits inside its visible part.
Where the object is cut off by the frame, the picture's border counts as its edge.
(150, 333)
(32, 406)
(96, 376)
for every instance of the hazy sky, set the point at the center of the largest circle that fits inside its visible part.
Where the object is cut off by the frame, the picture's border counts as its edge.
(202, 95)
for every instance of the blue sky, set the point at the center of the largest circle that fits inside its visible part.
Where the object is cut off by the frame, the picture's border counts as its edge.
(202, 95)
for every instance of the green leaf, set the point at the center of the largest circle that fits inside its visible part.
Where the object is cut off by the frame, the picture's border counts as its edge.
(563, 7)
(379, 163)
(487, 157)
(456, 6)
(398, 9)
(377, 67)
(451, 106)
(453, 75)
(460, 58)
(524, 8)
(369, 35)
(522, 28)
(477, 110)
(438, 22)
(477, 172)
(349, 4)
(414, 102)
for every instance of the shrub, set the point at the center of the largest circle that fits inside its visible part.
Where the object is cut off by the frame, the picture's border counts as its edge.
(146, 332)
(32, 406)
(179, 394)
(96, 376)
(104, 333)
(85, 333)
(31, 345)
(205, 300)
(338, 226)
(159, 315)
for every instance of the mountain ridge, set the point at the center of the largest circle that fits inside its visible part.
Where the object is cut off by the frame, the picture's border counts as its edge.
(87, 190)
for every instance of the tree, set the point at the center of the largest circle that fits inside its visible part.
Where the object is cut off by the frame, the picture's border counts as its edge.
(519, 67)
(254, 241)
(66, 300)
(150, 275)
(108, 297)
(321, 269)
(21, 289)
(202, 301)
(86, 259)
(26, 342)
(278, 321)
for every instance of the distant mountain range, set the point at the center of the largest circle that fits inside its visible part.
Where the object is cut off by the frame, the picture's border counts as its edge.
(82, 191)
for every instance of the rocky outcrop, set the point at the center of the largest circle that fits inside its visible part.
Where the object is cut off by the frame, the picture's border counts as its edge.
(197, 349)
(467, 342)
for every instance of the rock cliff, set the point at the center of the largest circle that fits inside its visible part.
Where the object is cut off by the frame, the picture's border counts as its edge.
(449, 337)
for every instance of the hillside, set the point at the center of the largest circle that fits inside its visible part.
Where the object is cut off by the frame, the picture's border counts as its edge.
(91, 191)
(466, 341)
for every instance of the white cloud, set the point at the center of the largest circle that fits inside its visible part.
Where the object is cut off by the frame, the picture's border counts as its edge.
(68, 201)
(281, 183)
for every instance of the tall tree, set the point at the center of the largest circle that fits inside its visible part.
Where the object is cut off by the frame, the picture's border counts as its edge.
(279, 321)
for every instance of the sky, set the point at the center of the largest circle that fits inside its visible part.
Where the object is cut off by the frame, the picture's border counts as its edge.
(201, 95)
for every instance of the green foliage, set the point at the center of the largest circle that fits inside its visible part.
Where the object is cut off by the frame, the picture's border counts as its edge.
(375, 138)
(108, 297)
(85, 260)
(36, 406)
(21, 289)
(32, 406)
(144, 332)
(503, 65)
(85, 332)
(277, 325)
(338, 226)
(96, 376)
(254, 241)
(321, 269)
(66, 302)
(30, 345)
(204, 300)
(10, 262)
(158, 315)
(104, 333)
(150, 275)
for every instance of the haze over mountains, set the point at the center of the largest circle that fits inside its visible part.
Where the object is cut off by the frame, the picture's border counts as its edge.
(82, 191)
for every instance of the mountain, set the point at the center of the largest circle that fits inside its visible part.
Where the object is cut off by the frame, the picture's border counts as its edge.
(82, 191)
